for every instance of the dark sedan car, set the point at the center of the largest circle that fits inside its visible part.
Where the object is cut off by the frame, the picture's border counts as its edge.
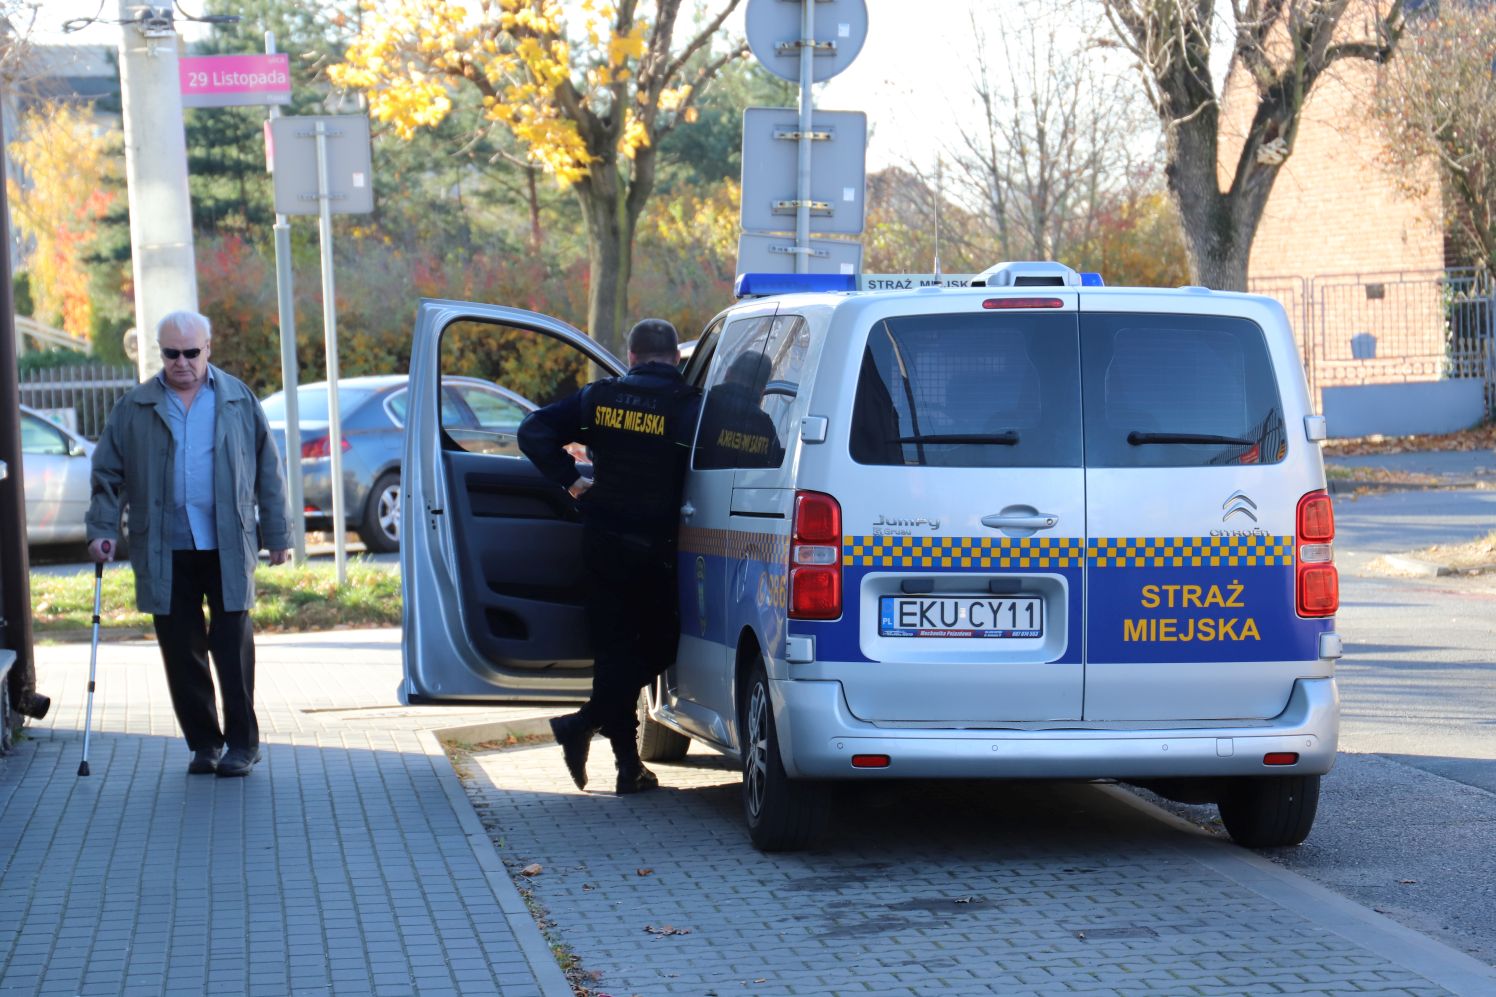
(372, 412)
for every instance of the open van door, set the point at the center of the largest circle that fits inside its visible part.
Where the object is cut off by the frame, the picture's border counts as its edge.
(490, 558)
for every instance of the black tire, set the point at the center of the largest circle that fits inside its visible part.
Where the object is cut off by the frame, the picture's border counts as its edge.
(122, 545)
(782, 814)
(1269, 812)
(658, 743)
(380, 527)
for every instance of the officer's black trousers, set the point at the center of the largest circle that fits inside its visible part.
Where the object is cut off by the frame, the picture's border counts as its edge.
(186, 640)
(634, 620)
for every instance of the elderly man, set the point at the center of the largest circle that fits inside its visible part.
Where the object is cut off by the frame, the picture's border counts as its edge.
(189, 451)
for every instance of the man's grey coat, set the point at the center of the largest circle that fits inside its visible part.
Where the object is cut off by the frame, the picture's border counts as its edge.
(133, 465)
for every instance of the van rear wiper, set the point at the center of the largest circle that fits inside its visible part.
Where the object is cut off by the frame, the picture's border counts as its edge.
(1007, 438)
(1138, 439)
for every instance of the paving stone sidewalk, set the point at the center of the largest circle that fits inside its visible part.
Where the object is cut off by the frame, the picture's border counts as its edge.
(927, 888)
(349, 861)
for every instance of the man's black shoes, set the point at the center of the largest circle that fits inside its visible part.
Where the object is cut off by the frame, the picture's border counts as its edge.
(636, 779)
(574, 735)
(238, 762)
(204, 762)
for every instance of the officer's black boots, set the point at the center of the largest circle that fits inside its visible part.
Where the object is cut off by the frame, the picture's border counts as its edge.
(574, 735)
(633, 777)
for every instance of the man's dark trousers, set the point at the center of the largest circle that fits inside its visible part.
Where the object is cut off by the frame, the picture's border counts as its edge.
(186, 641)
(635, 622)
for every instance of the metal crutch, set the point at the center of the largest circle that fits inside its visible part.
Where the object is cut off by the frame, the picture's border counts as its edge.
(93, 657)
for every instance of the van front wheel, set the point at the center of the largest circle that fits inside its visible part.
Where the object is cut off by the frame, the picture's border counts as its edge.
(1269, 812)
(783, 814)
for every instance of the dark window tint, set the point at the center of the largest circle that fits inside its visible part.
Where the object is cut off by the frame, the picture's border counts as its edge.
(987, 390)
(735, 429)
(1179, 391)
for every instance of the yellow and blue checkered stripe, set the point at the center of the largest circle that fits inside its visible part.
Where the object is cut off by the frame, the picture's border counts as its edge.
(1066, 552)
(1190, 552)
(962, 552)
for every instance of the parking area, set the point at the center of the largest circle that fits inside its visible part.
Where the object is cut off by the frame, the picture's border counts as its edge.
(926, 888)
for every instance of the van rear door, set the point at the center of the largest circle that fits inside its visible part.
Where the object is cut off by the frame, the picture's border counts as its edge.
(1192, 485)
(963, 510)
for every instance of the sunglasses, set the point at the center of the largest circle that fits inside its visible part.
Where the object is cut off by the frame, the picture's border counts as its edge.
(171, 354)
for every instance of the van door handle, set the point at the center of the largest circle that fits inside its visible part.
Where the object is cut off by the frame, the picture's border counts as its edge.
(1034, 521)
(687, 511)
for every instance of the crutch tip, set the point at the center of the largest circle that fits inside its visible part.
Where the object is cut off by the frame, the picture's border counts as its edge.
(83, 768)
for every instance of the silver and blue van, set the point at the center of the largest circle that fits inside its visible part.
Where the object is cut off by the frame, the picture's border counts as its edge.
(1026, 528)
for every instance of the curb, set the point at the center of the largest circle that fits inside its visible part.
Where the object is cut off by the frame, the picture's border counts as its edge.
(537, 951)
(1339, 486)
(1438, 962)
(1417, 566)
(84, 635)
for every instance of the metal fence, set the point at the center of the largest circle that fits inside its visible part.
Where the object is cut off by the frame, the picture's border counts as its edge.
(1391, 327)
(79, 398)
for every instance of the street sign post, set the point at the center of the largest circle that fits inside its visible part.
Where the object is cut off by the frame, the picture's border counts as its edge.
(770, 150)
(773, 29)
(234, 80)
(322, 166)
(783, 36)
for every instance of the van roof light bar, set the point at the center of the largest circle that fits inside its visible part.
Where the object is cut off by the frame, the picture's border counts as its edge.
(758, 285)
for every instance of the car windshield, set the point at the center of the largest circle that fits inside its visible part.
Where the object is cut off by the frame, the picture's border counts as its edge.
(312, 403)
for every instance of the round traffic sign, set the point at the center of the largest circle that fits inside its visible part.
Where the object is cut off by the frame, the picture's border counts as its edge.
(773, 28)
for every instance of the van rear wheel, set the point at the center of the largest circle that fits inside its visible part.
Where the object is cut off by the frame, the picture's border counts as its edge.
(783, 814)
(1269, 812)
(658, 743)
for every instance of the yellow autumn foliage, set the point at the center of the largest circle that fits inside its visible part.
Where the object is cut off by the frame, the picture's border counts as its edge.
(57, 200)
(535, 70)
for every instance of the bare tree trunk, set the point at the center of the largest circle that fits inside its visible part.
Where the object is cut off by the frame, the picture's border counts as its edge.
(610, 250)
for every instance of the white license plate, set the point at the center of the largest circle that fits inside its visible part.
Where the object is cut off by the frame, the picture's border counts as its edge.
(961, 616)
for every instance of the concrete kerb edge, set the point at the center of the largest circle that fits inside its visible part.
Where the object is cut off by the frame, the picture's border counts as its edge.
(548, 975)
(1436, 961)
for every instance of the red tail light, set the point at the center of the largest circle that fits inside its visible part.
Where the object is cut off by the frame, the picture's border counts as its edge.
(1023, 303)
(314, 449)
(815, 558)
(1317, 582)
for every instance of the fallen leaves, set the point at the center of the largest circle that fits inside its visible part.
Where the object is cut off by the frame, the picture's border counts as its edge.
(533, 869)
(665, 930)
(645, 872)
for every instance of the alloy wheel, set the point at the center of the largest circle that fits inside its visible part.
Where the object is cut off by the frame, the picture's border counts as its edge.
(756, 758)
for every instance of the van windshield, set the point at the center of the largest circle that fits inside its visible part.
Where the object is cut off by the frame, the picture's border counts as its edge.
(970, 390)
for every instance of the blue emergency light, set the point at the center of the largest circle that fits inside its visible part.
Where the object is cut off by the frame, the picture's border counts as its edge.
(757, 285)
(1091, 280)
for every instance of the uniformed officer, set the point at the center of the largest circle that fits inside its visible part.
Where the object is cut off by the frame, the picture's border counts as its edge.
(638, 431)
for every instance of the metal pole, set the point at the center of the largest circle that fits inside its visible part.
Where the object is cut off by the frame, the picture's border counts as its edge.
(15, 564)
(289, 371)
(330, 332)
(802, 174)
(165, 272)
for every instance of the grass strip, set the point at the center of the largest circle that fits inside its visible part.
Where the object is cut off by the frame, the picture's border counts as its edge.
(287, 599)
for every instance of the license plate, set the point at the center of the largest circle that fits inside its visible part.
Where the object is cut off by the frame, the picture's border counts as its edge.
(961, 616)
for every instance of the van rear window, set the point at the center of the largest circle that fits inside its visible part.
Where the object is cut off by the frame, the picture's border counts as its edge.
(987, 390)
(1179, 391)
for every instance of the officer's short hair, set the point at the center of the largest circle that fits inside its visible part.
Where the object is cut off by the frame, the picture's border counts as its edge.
(653, 337)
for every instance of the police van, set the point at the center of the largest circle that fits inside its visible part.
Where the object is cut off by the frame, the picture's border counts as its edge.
(1027, 528)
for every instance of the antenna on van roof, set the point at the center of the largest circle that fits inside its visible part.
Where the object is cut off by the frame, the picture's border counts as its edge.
(939, 196)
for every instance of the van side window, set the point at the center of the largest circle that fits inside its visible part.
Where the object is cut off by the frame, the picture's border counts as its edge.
(986, 390)
(786, 347)
(1179, 391)
(735, 430)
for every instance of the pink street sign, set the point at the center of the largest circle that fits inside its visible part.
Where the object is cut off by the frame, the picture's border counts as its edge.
(235, 80)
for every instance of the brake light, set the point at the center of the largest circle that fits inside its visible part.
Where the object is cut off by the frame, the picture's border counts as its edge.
(1023, 303)
(815, 558)
(1316, 579)
(1281, 758)
(318, 448)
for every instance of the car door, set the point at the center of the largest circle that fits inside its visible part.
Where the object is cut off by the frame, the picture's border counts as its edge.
(57, 486)
(491, 565)
(698, 688)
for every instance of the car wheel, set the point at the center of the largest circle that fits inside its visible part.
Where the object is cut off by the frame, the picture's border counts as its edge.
(380, 529)
(1269, 812)
(783, 814)
(122, 545)
(658, 743)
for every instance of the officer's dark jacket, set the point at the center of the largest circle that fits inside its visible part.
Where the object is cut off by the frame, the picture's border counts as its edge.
(638, 429)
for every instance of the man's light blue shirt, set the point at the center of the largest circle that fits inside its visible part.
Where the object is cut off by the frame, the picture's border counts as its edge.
(193, 522)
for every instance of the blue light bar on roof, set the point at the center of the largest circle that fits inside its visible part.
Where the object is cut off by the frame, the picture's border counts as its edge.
(757, 285)
(1091, 280)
